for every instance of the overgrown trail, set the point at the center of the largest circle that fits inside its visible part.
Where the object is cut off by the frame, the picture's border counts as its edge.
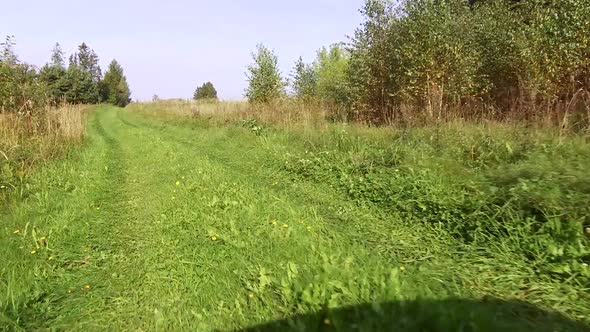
(168, 226)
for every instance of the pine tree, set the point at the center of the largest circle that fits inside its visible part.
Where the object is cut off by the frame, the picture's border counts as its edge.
(53, 74)
(57, 56)
(115, 89)
(88, 61)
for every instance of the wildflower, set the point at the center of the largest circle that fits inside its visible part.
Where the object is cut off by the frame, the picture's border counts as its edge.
(69, 291)
(402, 268)
(285, 226)
(87, 286)
(275, 183)
(182, 177)
(327, 321)
(51, 258)
(16, 231)
(33, 252)
(178, 183)
(173, 198)
(309, 228)
(43, 238)
(250, 296)
(214, 238)
(274, 222)
(98, 207)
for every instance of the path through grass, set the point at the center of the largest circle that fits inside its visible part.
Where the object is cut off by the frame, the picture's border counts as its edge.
(168, 226)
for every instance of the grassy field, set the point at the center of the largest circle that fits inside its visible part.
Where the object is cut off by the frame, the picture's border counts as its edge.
(163, 222)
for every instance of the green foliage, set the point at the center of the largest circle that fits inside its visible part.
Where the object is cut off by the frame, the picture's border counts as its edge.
(331, 68)
(53, 75)
(205, 92)
(265, 83)
(304, 81)
(483, 189)
(23, 89)
(115, 89)
(20, 88)
(434, 57)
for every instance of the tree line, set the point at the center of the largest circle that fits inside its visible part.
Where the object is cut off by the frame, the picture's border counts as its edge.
(24, 88)
(445, 58)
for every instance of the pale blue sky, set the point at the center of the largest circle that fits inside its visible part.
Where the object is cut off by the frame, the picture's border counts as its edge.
(168, 47)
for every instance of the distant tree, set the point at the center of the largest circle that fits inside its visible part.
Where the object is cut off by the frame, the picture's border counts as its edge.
(114, 87)
(265, 83)
(53, 74)
(57, 56)
(88, 61)
(205, 92)
(8, 55)
(304, 81)
(155, 98)
(80, 87)
(85, 60)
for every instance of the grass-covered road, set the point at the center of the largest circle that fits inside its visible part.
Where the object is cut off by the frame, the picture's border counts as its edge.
(160, 225)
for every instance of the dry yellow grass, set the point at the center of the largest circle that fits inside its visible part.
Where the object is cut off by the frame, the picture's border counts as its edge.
(288, 113)
(26, 139)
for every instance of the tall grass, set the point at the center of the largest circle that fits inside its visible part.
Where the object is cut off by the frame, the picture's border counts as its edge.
(30, 138)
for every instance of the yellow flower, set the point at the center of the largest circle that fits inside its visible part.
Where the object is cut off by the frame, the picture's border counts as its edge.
(173, 197)
(274, 222)
(250, 296)
(87, 286)
(98, 207)
(69, 290)
(327, 321)
(182, 177)
(285, 225)
(51, 258)
(42, 238)
(402, 268)
(16, 231)
(178, 183)
(214, 238)
(309, 228)
(33, 252)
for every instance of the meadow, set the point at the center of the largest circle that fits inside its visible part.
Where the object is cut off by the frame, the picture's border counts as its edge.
(429, 172)
(177, 216)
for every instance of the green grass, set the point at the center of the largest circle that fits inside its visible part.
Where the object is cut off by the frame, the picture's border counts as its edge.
(172, 224)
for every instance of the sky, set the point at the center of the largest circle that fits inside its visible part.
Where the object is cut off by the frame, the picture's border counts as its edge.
(169, 47)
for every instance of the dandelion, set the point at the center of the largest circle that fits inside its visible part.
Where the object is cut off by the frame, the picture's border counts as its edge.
(182, 177)
(173, 198)
(33, 252)
(178, 183)
(87, 286)
(16, 231)
(327, 321)
(251, 296)
(285, 226)
(274, 222)
(214, 238)
(98, 207)
(402, 268)
(69, 291)
(309, 228)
